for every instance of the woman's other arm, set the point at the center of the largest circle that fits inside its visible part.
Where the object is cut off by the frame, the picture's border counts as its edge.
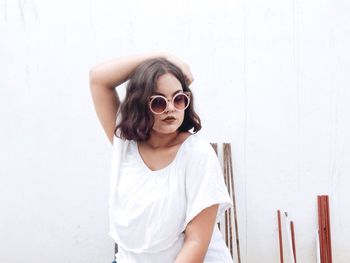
(104, 78)
(198, 234)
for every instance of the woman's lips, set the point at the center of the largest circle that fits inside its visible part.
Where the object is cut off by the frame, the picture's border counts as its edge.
(169, 120)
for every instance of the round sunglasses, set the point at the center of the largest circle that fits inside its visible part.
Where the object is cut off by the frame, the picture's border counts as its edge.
(158, 104)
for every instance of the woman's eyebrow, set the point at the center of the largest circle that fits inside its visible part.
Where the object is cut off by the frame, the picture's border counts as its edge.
(159, 93)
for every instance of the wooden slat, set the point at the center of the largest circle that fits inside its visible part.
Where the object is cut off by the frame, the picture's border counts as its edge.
(227, 176)
(231, 189)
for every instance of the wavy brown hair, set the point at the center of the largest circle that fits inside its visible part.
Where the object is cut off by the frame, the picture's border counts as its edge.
(136, 119)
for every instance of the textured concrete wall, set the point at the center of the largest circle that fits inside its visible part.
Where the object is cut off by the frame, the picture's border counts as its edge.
(270, 77)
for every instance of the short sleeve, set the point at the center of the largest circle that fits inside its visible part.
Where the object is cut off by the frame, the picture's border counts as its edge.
(205, 184)
(119, 147)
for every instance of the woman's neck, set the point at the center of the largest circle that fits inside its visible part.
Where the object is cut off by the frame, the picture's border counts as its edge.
(161, 140)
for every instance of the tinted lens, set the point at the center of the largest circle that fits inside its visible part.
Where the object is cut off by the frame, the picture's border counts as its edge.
(180, 102)
(158, 104)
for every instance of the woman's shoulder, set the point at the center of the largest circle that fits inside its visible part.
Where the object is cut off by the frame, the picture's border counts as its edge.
(120, 144)
(197, 145)
(117, 140)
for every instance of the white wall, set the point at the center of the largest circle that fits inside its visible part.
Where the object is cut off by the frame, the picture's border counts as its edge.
(270, 77)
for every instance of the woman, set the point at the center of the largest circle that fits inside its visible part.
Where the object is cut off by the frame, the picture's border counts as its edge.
(167, 189)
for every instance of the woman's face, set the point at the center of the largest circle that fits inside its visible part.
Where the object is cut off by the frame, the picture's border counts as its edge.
(168, 86)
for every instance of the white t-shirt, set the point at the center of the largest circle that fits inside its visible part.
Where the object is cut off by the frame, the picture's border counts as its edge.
(149, 210)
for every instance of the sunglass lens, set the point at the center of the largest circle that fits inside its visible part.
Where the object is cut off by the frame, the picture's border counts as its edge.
(181, 102)
(158, 105)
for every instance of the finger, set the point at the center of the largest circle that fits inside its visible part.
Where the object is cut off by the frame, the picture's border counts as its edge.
(189, 77)
(188, 80)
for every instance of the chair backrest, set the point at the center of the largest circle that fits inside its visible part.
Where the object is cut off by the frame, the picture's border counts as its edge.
(229, 225)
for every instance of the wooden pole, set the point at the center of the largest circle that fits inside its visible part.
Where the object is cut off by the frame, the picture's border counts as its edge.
(324, 229)
(280, 234)
(293, 241)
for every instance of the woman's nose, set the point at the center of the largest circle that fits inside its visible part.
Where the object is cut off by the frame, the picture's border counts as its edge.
(170, 107)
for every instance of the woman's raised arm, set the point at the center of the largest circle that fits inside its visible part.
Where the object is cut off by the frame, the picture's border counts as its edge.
(104, 78)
